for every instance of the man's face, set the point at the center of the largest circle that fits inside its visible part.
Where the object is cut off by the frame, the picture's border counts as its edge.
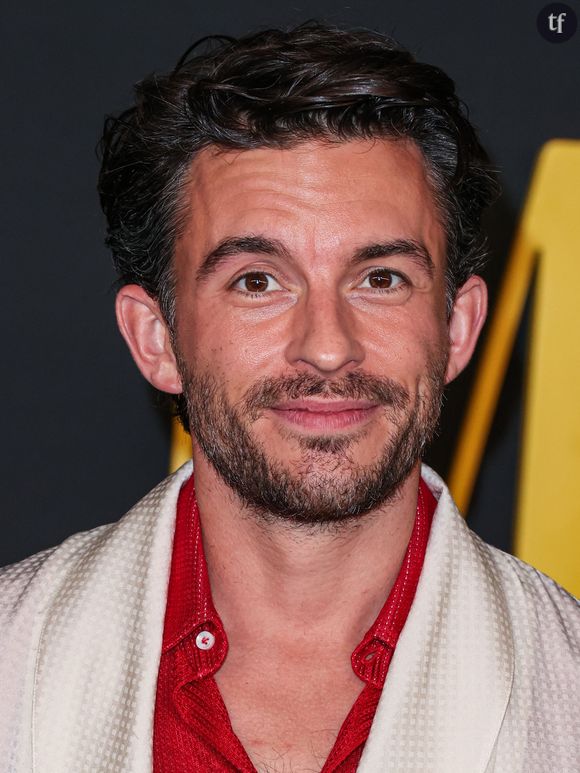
(305, 277)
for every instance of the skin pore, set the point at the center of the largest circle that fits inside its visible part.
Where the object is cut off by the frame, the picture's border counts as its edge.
(315, 274)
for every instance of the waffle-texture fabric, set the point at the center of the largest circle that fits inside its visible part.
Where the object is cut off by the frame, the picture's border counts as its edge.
(485, 677)
(192, 728)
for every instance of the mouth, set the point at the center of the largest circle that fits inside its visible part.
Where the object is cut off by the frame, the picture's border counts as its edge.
(325, 415)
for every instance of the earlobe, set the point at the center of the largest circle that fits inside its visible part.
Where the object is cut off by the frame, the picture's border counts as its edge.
(146, 333)
(467, 318)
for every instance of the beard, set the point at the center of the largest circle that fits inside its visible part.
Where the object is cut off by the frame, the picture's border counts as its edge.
(326, 487)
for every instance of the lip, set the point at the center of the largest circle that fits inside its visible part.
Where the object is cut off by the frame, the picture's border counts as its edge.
(324, 406)
(325, 416)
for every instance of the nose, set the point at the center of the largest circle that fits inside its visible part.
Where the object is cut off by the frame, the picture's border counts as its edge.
(324, 334)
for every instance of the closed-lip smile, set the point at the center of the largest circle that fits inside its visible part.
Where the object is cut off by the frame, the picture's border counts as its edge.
(324, 406)
(325, 415)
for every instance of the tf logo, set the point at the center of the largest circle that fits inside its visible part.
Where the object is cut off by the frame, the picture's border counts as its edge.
(557, 22)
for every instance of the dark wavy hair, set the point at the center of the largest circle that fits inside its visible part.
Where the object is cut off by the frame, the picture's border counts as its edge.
(276, 89)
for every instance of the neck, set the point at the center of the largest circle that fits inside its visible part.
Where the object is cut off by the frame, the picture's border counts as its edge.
(271, 579)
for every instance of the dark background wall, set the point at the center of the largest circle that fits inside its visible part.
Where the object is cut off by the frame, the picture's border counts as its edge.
(82, 439)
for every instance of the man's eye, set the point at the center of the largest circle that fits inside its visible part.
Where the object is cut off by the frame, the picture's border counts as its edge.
(256, 283)
(383, 279)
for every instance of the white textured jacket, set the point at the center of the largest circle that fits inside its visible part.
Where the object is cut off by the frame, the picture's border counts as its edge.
(485, 677)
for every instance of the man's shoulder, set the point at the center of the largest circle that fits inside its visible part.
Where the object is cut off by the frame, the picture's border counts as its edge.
(32, 576)
(536, 604)
(530, 583)
(545, 617)
(97, 598)
(535, 601)
(32, 581)
(544, 620)
(514, 634)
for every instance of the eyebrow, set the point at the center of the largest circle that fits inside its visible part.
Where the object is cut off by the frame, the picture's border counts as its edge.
(238, 245)
(413, 249)
(261, 245)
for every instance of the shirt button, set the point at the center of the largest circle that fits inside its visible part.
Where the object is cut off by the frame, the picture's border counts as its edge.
(204, 640)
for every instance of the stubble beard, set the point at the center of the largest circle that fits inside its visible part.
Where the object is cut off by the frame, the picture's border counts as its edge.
(326, 487)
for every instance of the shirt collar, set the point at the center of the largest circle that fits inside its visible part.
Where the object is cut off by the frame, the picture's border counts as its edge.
(372, 657)
(192, 625)
(194, 629)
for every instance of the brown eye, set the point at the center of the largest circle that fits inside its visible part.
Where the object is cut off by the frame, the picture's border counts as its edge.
(256, 283)
(383, 279)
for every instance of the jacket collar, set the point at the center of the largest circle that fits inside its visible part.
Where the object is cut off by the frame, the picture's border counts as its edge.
(450, 680)
(108, 594)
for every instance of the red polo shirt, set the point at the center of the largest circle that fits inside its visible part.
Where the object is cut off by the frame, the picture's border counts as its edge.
(192, 730)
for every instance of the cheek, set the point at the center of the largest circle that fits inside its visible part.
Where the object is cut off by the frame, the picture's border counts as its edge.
(233, 352)
(239, 350)
(406, 344)
(244, 342)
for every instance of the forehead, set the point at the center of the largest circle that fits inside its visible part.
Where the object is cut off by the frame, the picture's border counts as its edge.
(315, 196)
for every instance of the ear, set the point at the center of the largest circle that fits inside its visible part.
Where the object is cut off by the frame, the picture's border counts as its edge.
(144, 329)
(467, 318)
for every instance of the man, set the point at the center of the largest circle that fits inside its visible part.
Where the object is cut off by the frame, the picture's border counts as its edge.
(295, 217)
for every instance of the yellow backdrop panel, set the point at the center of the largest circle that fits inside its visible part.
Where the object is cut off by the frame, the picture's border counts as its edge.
(547, 532)
(548, 522)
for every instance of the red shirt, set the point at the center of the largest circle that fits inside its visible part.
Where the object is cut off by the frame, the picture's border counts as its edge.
(192, 729)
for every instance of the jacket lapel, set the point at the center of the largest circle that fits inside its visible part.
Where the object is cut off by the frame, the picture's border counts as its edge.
(99, 653)
(450, 678)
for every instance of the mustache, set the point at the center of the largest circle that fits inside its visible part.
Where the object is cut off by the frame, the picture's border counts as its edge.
(354, 386)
